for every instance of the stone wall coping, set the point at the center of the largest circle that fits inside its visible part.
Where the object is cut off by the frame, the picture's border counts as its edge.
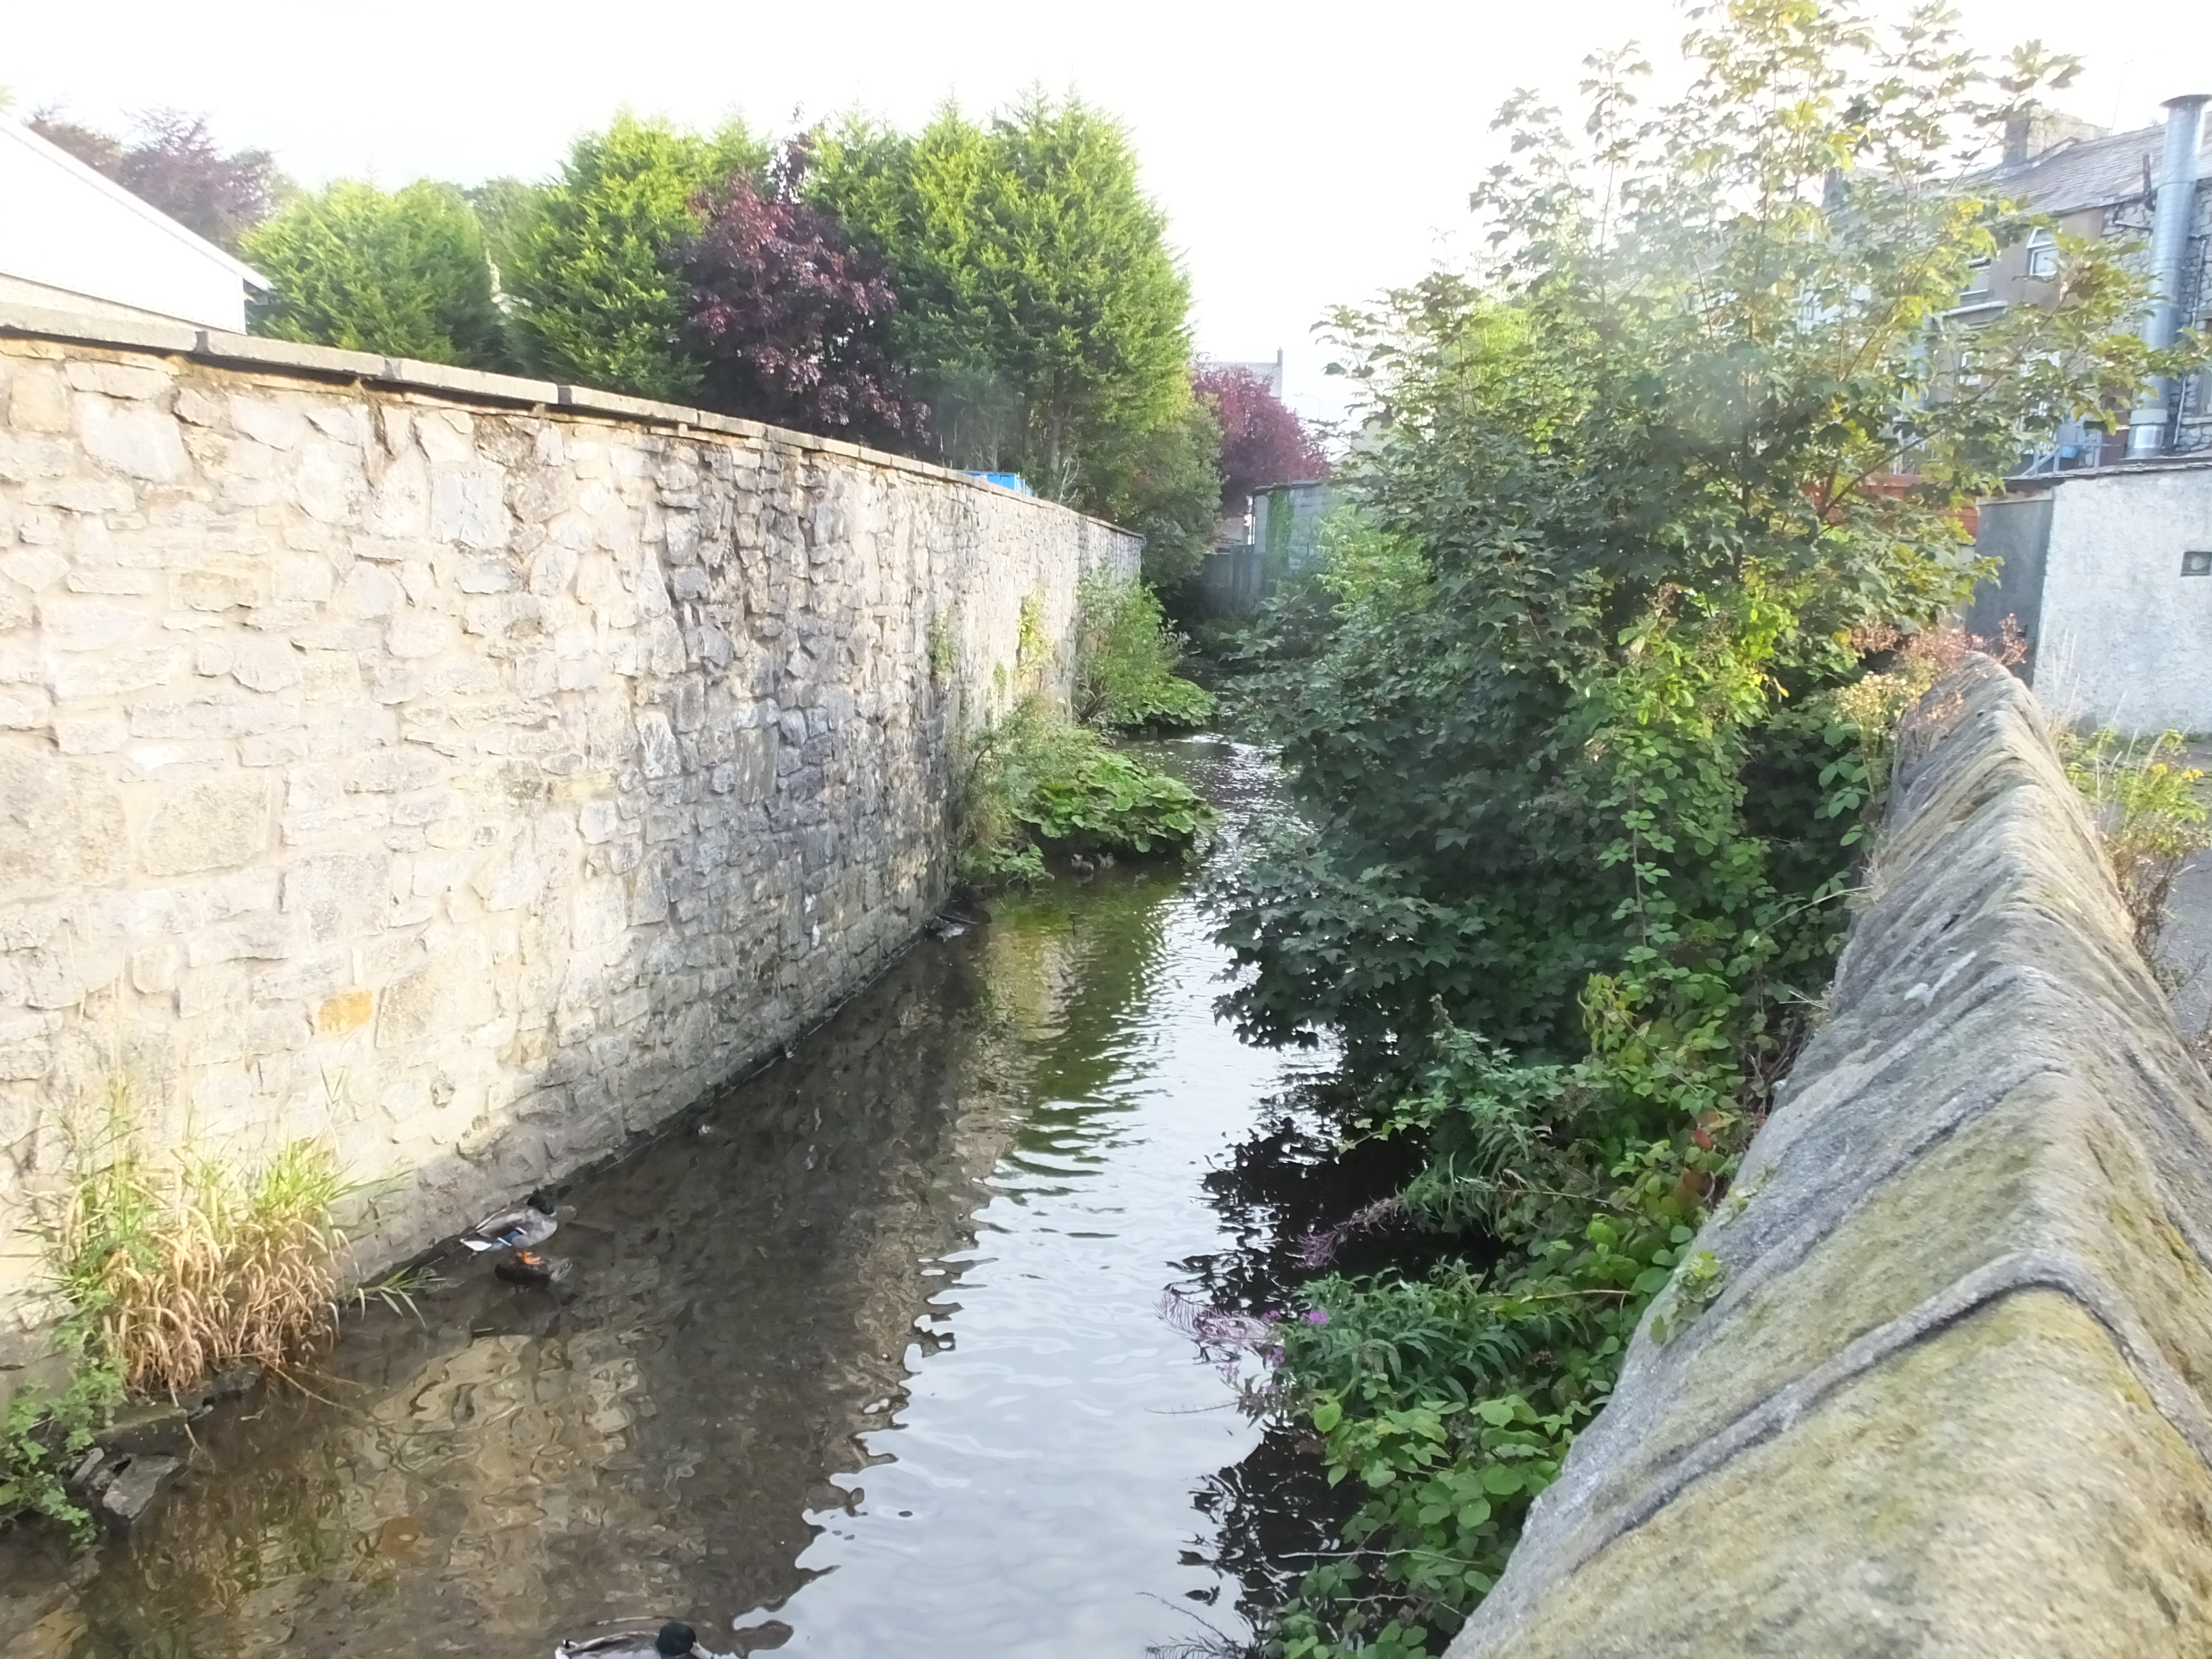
(1950, 1394)
(252, 351)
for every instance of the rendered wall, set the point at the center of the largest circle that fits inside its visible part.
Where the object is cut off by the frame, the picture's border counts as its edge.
(470, 768)
(2124, 634)
(1955, 1394)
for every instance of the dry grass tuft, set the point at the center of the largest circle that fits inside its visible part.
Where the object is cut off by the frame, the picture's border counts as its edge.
(181, 1265)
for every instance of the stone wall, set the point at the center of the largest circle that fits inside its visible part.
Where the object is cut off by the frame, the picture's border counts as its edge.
(469, 768)
(1955, 1393)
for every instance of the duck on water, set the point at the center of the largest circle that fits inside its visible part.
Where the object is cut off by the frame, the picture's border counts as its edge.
(516, 1233)
(673, 1640)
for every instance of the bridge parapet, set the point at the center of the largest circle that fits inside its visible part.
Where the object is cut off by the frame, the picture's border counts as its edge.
(1953, 1396)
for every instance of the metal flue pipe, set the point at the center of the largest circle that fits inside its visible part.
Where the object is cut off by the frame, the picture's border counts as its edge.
(2175, 207)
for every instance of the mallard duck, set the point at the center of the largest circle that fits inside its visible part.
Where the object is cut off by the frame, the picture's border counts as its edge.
(1082, 863)
(528, 1224)
(674, 1640)
(528, 1267)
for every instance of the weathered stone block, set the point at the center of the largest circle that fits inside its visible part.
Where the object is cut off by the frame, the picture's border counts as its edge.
(341, 895)
(119, 380)
(114, 672)
(328, 482)
(416, 633)
(61, 825)
(75, 624)
(450, 992)
(346, 1013)
(35, 567)
(135, 439)
(212, 824)
(27, 708)
(39, 398)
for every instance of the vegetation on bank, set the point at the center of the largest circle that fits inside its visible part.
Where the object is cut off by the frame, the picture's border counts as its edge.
(169, 1268)
(1037, 780)
(1590, 721)
(1126, 653)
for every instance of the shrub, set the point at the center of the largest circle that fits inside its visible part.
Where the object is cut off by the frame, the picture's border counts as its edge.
(42, 1436)
(401, 274)
(589, 263)
(1126, 654)
(791, 317)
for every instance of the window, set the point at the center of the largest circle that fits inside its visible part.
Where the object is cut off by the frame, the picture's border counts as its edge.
(1978, 276)
(2042, 256)
(2197, 561)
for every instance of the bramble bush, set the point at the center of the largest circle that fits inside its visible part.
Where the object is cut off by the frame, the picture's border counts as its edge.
(1581, 771)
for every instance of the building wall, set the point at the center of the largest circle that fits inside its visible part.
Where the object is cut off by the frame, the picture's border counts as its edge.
(1235, 578)
(2124, 638)
(470, 770)
(63, 226)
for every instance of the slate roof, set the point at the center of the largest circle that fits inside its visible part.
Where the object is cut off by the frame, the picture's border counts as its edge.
(2083, 173)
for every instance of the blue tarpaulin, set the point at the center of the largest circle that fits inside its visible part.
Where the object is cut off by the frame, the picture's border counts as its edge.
(1005, 481)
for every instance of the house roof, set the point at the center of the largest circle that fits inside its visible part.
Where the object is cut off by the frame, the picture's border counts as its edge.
(54, 155)
(2082, 173)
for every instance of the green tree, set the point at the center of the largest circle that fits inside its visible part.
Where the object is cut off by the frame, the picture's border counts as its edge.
(403, 273)
(1042, 313)
(1162, 484)
(1579, 724)
(503, 205)
(588, 263)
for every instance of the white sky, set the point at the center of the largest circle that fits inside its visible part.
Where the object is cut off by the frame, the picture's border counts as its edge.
(1306, 155)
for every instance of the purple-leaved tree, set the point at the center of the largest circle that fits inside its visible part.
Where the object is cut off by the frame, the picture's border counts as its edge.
(790, 317)
(1262, 442)
(173, 162)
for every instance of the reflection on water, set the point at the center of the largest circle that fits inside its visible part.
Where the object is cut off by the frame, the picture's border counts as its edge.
(867, 1346)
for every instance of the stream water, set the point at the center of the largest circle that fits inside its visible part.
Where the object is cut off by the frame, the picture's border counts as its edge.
(866, 1354)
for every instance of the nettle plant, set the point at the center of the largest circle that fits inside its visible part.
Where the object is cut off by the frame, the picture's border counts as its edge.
(1677, 466)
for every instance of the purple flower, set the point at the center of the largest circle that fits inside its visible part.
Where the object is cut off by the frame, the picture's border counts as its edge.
(1316, 1315)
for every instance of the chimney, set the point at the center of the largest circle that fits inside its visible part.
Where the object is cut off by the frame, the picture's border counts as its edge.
(2173, 205)
(2017, 125)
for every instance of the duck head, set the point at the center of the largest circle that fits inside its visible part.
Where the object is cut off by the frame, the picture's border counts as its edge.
(676, 1639)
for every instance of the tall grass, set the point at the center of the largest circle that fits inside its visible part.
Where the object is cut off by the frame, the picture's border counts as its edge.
(178, 1264)
(2149, 808)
